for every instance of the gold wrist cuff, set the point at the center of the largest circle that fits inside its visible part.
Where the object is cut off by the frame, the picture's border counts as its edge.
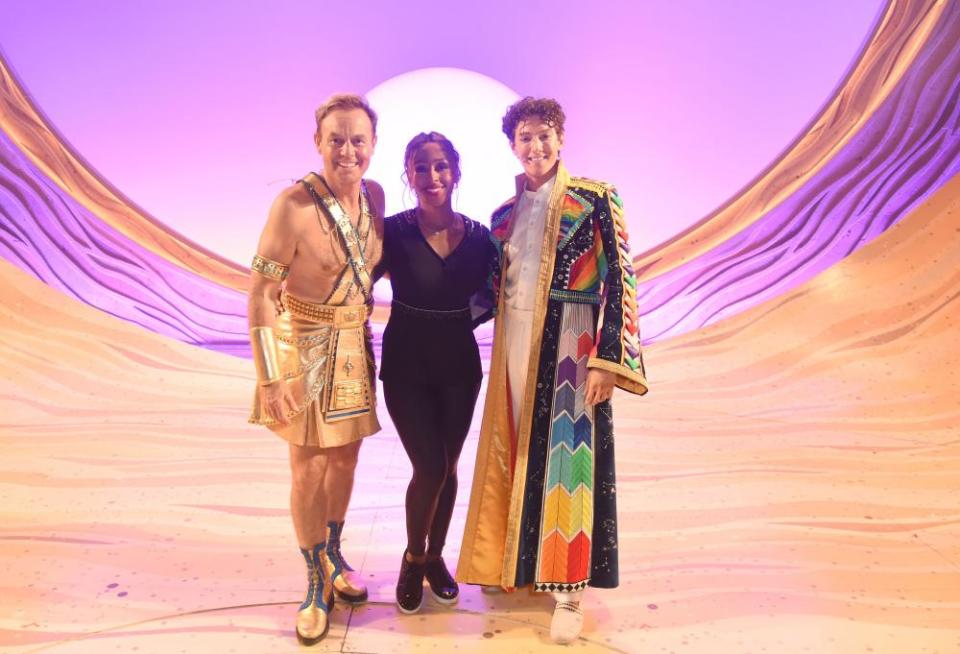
(269, 268)
(265, 358)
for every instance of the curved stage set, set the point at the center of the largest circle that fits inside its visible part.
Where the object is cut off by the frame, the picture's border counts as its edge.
(790, 484)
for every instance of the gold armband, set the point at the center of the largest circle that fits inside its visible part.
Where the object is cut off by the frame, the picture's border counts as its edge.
(268, 268)
(265, 358)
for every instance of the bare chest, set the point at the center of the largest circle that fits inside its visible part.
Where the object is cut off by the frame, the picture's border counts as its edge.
(321, 258)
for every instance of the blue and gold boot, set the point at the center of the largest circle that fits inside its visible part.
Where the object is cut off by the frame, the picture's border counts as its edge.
(346, 581)
(313, 617)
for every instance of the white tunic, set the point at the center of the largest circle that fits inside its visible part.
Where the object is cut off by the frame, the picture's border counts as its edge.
(523, 248)
(520, 287)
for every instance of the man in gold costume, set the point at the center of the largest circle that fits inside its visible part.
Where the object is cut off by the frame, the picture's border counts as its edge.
(310, 299)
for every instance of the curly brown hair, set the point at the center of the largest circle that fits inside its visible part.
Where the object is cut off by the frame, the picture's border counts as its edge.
(546, 109)
(420, 140)
(345, 102)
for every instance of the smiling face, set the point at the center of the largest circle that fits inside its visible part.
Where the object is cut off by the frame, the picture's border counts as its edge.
(537, 145)
(345, 140)
(432, 175)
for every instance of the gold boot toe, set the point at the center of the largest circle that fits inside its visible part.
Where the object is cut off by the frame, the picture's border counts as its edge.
(346, 582)
(313, 623)
(313, 617)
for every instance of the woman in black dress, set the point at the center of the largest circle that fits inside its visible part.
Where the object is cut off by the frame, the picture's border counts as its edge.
(439, 264)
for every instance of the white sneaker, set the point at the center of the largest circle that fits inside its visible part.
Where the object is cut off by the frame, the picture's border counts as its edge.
(567, 622)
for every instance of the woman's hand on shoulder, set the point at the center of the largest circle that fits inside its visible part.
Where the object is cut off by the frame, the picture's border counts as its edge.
(377, 197)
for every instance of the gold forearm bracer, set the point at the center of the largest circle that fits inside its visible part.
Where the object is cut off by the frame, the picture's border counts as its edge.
(264, 345)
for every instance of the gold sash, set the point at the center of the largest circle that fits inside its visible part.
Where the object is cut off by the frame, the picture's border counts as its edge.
(349, 238)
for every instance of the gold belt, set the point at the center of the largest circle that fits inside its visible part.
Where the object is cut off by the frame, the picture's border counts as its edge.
(347, 389)
(341, 317)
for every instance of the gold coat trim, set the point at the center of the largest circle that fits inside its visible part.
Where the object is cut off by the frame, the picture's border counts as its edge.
(491, 537)
(594, 185)
(628, 380)
(548, 256)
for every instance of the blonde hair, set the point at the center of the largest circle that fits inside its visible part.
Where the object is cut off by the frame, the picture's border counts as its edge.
(345, 102)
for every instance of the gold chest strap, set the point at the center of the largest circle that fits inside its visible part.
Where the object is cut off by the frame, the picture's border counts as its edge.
(349, 238)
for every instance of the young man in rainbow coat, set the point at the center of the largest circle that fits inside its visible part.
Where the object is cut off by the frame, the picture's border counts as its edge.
(543, 504)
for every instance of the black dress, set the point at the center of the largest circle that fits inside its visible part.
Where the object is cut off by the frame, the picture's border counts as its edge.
(429, 337)
(430, 363)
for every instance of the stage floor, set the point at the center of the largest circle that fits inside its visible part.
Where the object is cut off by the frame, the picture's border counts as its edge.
(789, 485)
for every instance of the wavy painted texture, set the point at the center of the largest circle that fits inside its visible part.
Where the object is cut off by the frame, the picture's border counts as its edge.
(49, 234)
(906, 150)
(788, 486)
(50, 153)
(889, 53)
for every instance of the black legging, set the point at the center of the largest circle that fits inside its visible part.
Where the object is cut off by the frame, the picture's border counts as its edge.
(433, 421)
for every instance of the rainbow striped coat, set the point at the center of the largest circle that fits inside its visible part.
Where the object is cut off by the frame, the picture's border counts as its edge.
(543, 505)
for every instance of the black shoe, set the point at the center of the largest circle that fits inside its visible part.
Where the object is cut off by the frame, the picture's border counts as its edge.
(410, 586)
(445, 590)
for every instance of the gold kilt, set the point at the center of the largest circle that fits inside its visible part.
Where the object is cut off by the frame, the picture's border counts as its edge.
(326, 358)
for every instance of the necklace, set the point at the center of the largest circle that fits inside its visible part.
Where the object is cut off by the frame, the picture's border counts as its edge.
(364, 205)
(429, 229)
